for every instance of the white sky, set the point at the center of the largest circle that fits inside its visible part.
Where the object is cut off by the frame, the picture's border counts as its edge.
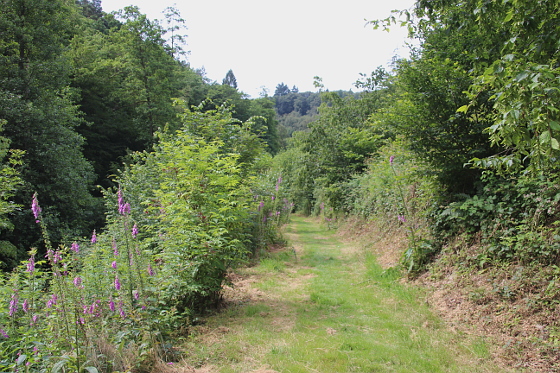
(289, 41)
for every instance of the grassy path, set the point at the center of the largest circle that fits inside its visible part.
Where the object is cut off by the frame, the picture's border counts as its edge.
(328, 308)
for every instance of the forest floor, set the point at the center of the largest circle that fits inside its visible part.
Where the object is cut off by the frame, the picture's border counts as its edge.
(324, 304)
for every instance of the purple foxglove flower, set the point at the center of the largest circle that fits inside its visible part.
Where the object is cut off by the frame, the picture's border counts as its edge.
(121, 311)
(272, 198)
(112, 305)
(31, 264)
(25, 306)
(94, 237)
(150, 270)
(81, 320)
(34, 319)
(75, 247)
(35, 208)
(401, 218)
(13, 305)
(391, 159)
(4, 334)
(115, 249)
(136, 294)
(120, 200)
(78, 282)
(114, 264)
(124, 209)
(51, 302)
(134, 231)
(56, 257)
(117, 283)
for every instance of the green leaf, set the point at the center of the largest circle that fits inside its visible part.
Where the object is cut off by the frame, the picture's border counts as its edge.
(463, 109)
(91, 369)
(545, 137)
(554, 144)
(522, 75)
(508, 17)
(58, 366)
(21, 359)
(554, 125)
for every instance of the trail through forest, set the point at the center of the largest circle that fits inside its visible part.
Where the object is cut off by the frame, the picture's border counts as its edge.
(324, 305)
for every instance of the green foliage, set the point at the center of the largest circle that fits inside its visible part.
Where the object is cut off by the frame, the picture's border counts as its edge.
(10, 181)
(41, 117)
(186, 214)
(516, 217)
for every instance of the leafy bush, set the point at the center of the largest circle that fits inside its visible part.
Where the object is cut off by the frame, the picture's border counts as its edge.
(183, 214)
(517, 217)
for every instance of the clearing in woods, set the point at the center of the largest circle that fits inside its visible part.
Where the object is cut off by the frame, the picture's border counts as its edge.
(322, 305)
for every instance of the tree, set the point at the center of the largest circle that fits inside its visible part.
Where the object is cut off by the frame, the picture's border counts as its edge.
(39, 107)
(175, 24)
(230, 79)
(10, 182)
(281, 90)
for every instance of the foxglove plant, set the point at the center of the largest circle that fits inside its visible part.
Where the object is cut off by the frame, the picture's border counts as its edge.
(409, 254)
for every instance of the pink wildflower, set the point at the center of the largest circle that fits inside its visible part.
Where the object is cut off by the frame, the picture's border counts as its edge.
(94, 237)
(13, 305)
(35, 208)
(52, 301)
(75, 247)
(31, 264)
(78, 282)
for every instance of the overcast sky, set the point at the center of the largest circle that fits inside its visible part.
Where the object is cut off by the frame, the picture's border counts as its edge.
(290, 41)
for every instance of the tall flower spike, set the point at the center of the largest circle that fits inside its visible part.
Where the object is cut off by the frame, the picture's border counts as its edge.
(13, 305)
(75, 247)
(94, 237)
(35, 208)
(31, 264)
(391, 159)
(134, 231)
(78, 282)
(120, 200)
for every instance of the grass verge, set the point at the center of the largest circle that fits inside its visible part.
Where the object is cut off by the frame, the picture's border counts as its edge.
(328, 307)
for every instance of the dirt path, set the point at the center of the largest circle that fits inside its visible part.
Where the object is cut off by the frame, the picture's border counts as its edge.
(323, 305)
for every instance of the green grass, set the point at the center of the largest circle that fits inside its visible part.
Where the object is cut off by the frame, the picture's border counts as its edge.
(333, 309)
